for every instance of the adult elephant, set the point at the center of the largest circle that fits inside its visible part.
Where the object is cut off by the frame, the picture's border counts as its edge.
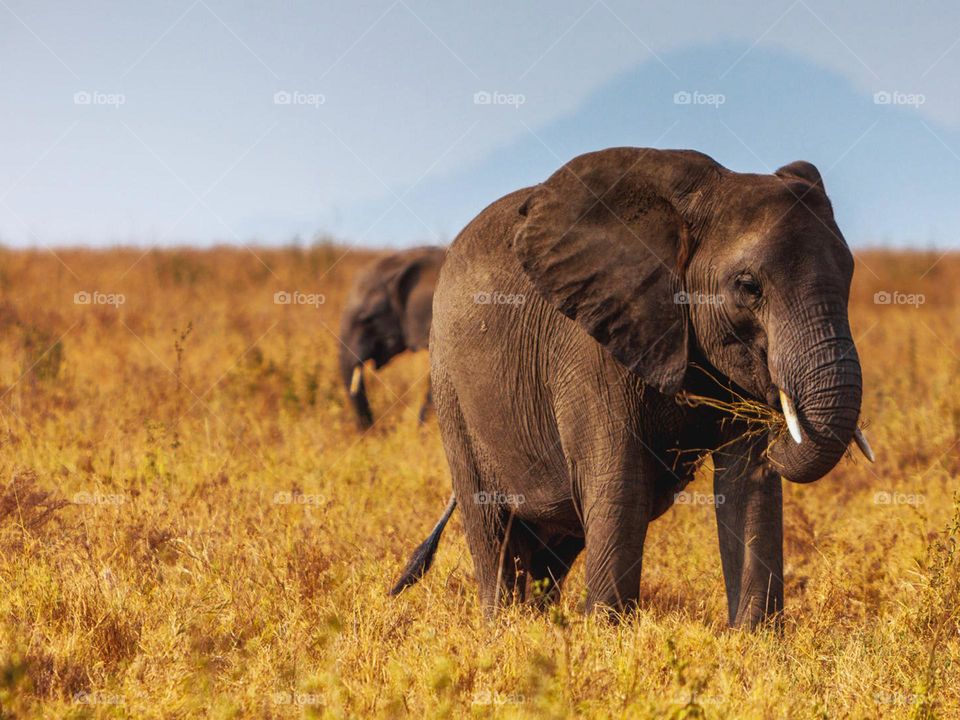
(388, 311)
(632, 278)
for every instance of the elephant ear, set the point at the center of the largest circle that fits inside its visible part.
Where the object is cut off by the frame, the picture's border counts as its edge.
(401, 282)
(604, 247)
(802, 170)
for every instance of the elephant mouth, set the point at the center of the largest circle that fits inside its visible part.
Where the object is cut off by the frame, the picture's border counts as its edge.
(791, 419)
(383, 351)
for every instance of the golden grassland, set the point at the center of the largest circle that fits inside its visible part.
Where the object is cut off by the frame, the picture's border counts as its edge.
(191, 526)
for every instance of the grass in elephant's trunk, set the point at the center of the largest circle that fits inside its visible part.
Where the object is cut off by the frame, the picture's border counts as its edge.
(759, 417)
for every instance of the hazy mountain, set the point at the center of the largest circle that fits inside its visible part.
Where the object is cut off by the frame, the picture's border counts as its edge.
(893, 176)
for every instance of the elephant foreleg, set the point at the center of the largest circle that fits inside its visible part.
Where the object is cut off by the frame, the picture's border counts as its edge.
(427, 404)
(749, 507)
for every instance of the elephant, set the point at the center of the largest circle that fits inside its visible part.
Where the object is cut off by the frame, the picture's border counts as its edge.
(634, 280)
(388, 311)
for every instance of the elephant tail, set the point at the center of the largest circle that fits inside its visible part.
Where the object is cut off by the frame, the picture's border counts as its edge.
(422, 557)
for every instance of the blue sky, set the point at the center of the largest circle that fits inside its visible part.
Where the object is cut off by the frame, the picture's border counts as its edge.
(393, 123)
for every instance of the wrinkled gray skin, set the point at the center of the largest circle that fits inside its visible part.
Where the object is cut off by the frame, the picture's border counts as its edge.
(560, 416)
(387, 312)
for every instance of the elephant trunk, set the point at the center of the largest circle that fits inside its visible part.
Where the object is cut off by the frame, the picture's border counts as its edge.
(351, 373)
(819, 371)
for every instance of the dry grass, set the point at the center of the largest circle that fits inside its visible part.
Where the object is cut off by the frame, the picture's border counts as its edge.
(190, 526)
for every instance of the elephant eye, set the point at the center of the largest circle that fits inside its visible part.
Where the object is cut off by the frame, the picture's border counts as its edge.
(749, 285)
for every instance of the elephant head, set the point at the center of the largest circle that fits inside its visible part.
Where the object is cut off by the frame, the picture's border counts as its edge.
(388, 311)
(664, 256)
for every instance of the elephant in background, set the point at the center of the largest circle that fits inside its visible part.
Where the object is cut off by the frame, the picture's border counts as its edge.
(640, 277)
(387, 312)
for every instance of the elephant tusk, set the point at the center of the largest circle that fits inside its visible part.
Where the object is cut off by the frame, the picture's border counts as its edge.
(356, 379)
(864, 445)
(790, 413)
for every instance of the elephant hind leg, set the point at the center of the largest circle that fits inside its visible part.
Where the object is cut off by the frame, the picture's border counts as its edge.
(549, 566)
(500, 554)
(494, 541)
(522, 567)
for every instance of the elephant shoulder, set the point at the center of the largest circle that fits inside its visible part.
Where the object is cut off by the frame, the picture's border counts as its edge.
(481, 258)
(494, 226)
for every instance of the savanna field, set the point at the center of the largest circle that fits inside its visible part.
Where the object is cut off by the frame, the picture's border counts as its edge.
(191, 526)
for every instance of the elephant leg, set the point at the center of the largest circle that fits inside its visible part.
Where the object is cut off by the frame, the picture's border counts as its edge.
(427, 404)
(501, 551)
(749, 505)
(488, 525)
(484, 527)
(616, 512)
(549, 566)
